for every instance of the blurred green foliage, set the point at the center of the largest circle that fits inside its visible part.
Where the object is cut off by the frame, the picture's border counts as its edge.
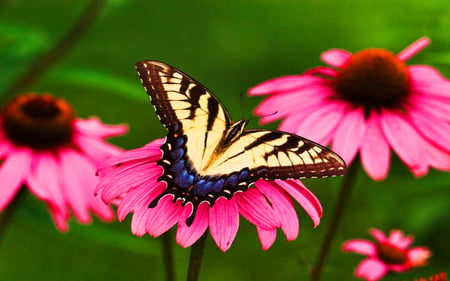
(229, 46)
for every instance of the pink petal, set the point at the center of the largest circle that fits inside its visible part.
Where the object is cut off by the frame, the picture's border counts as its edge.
(13, 171)
(360, 246)
(138, 222)
(165, 215)
(188, 235)
(375, 153)
(418, 256)
(139, 198)
(427, 81)
(224, 222)
(405, 141)
(44, 181)
(335, 57)
(5, 148)
(432, 128)
(95, 148)
(436, 106)
(304, 197)
(60, 219)
(378, 235)
(349, 135)
(282, 205)
(150, 152)
(414, 48)
(320, 125)
(325, 71)
(405, 242)
(395, 237)
(74, 185)
(282, 84)
(436, 157)
(399, 267)
(293, 121)
(82, 172)
(288, 103)
(94, 126)
(267, 237)
(371, 269)
(253, 206)
(127, 177)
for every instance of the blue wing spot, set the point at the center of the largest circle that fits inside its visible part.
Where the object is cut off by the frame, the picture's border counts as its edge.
(199, 187)
(177, 154)
(184, 180)
(244, 174)
(179, 142)
(202, 187)
(178, 167)
(218, 186)
(232, 180)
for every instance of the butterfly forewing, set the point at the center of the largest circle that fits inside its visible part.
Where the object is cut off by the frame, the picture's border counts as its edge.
(186, 107)
(273, 155)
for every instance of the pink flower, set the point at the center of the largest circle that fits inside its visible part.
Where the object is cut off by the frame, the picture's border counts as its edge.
(43, 147)
(131, 180)
(387, 254)
(367, 102)
(437, 277)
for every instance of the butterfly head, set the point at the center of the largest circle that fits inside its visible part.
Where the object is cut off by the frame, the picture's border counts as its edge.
(235, 130)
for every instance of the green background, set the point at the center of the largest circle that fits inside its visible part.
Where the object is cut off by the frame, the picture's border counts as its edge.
(230, 46)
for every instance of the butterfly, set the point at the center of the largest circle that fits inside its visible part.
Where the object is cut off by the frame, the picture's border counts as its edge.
(207, 156)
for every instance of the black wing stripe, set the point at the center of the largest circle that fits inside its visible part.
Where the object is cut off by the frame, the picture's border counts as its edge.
(213, 109)
(265, 138)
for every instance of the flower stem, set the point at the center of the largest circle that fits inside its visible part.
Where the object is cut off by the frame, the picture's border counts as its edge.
(345, 191)
(57, 52)
(7, 214)
(167, 252)
(195, 260)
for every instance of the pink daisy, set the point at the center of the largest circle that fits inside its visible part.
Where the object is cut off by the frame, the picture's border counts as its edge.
(45, 148)
(367, 102)
(387, 254)
(131, 180)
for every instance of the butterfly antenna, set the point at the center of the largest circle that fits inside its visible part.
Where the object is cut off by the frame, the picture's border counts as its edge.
(254, 118)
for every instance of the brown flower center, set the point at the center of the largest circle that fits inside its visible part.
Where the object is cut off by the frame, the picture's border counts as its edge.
(373, 79)
(39, 121)
(391, 254)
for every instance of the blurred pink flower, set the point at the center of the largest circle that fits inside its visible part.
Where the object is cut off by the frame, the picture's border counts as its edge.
(43, 147)
(367, 102)
(131, 181)
(386, 254)
(437, 277)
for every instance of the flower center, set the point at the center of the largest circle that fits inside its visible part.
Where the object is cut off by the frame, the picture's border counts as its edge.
(391, 254)
(373, 79)
(39, 121)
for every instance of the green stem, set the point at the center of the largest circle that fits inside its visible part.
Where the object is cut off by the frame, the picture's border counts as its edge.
(167, 252)
(195, 260)
(7, 214)
(345, 192)
(57, 52)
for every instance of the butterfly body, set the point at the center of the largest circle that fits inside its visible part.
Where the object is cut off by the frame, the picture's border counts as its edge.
(207, 156)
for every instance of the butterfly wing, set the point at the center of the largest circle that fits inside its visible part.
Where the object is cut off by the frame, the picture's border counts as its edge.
(272, 154)
(185, 107)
